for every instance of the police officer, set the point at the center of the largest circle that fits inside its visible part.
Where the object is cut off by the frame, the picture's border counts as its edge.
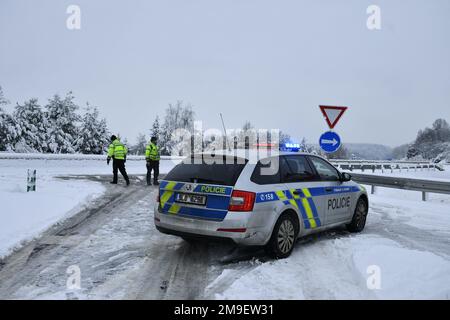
(118, 152)
(152, 158)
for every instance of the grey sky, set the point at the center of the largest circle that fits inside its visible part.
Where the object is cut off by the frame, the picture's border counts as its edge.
(271, 62)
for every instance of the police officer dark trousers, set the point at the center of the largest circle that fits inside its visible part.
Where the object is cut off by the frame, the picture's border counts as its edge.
(118, 152)
(152, 157)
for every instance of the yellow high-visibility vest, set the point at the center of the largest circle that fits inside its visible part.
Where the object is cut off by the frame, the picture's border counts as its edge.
(117, 150)
(152, 152)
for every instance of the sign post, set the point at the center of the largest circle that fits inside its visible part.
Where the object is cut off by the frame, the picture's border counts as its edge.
(330, 141)
(31, 180)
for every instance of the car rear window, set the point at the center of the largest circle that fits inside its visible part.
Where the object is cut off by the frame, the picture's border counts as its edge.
(272, 175)
(221, 171)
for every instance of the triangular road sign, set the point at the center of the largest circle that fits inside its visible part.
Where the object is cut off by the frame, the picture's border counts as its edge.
(332, 114)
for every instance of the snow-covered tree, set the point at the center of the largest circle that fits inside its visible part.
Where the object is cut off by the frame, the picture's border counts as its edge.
(181, 117)
(29, 133)
(412, 152)
(62, 120)
(285, 138)
(141, 144)
(93, 136)
(431, 142)
(341, 153)
(124, 141)
(155, 131)
(3, 100)
(6, 124)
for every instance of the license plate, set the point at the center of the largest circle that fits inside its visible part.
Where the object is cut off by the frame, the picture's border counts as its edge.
(190, 198)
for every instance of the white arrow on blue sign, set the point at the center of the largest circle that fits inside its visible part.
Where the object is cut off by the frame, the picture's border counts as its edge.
(330, 142)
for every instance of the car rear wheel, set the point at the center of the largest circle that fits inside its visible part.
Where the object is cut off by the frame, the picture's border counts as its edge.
(283, 237)
(359, 216)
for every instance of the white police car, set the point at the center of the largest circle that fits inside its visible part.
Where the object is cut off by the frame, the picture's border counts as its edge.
(270, 201)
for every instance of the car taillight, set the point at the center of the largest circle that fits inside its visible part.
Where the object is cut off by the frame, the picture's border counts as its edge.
(241, 201)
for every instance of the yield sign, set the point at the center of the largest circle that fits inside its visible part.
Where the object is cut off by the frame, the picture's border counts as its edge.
(332, 114)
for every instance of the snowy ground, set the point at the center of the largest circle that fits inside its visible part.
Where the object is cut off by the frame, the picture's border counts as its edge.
(408, 240)
(26, 215)
(121, 255)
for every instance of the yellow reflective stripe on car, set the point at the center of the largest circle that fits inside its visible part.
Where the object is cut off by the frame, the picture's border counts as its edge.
(281, 195)
(306, 192)
(293, 201)
(294, 195)
(174, 209)
(170, 185)
(164, 197)
(167, 193)
(309, 211)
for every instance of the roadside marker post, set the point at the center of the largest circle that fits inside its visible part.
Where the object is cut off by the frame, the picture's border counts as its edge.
(31, 180)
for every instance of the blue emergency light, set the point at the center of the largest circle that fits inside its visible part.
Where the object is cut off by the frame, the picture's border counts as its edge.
(294, 147)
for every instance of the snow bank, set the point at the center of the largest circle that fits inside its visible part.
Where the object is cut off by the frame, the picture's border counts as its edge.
(24, 216)
(405, 238)
(340, 269)
(404, 274)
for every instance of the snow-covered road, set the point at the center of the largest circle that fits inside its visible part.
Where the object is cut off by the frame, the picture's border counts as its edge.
(121, 255)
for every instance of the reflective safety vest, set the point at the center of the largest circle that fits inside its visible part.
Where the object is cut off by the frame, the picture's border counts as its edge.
(117, 150)
(152, 152)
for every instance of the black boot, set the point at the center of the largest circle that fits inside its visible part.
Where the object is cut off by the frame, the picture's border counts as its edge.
(112, 182)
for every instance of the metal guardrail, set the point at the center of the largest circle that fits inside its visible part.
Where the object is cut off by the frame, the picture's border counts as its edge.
(372, 165)
(424, 186)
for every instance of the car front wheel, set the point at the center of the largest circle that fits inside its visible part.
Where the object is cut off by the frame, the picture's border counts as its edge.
(359, 216)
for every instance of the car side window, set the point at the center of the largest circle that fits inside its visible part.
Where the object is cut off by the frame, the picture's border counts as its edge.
(261, 176)
(325, 170)
(296, 169)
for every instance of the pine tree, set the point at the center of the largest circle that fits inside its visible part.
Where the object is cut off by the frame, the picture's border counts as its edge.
(93, 137)
(3, 100)
(62, 122)
(155, 131)
(6, 122)
(29, 133)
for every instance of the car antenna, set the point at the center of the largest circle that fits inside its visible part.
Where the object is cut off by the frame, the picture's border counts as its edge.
(225, 131)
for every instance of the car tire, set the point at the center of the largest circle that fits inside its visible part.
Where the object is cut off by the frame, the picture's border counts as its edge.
(284, 236)
(359, 216)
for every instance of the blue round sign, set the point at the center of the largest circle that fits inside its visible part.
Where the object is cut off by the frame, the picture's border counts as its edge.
(330, 142)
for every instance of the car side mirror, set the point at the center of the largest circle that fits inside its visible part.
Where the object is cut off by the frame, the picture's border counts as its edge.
(345, 177)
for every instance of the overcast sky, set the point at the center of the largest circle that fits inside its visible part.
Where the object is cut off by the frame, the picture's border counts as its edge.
(270, 62)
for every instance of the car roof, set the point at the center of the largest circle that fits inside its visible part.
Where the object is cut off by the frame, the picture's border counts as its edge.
(251, 153)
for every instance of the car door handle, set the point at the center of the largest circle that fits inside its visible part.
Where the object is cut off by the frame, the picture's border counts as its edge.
(328, 189)
(296, 193)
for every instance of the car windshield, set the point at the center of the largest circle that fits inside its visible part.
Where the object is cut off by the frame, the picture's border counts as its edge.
(210, 170)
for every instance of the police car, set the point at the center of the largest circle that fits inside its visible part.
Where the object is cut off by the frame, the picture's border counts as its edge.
(269, 201)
